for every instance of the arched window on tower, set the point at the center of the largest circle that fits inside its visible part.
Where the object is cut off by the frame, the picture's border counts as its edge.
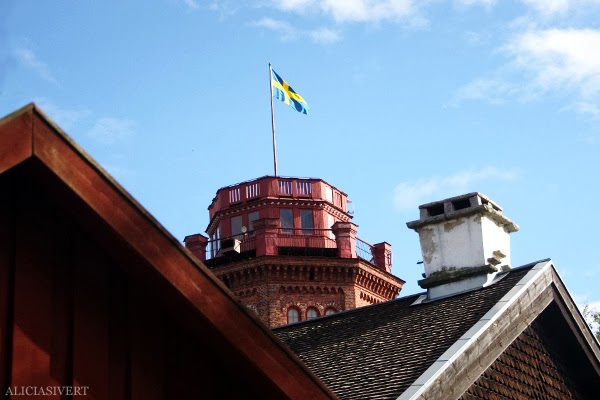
(330, 310)
(312, 313)
(293, 315)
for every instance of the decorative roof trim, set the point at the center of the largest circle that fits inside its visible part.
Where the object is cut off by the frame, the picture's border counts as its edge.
(529, 287)
(245, 207)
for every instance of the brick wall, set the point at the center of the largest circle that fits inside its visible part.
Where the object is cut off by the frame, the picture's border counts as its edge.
(269, 286)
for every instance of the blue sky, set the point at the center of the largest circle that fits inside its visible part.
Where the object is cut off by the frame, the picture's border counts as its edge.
(410, 102)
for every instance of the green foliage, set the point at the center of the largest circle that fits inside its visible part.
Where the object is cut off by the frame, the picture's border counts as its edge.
(592, 317)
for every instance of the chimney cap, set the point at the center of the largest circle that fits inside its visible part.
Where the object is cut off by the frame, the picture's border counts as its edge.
(461, 206)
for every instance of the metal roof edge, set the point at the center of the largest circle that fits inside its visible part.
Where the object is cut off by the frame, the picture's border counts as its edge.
(541, 272)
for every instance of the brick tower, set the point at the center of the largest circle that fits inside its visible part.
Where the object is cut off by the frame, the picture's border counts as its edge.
(288, 249)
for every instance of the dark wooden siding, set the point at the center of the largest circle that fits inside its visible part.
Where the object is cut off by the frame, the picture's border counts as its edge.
(544, 362)
(70, 314)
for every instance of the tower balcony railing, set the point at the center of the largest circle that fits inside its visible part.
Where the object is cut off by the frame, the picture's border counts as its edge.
(284, 187)
(277, 187)
(306, 237)
(365, 251)
(289, 241)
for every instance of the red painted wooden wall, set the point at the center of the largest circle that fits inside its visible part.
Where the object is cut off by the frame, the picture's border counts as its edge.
(95, 293)
(70, 315)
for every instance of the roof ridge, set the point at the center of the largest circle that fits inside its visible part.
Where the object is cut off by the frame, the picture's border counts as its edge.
(403, 298)
(59, 162)
(26, 108)
(345, 312)
(480, 328)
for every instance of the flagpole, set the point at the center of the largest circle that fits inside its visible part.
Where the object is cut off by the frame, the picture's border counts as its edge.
(273, 119)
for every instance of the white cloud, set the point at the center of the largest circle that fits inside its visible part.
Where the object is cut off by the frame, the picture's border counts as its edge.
(498, 89)
(548, 7)
(468, 3)
(105, 130)
(368, 10)
(584, 299)
(65, 118)
(295, 5)
(120, 173)
(357, 10)
(283, 28)
(409, 195)
(589, 139)
(494, 91)
(556, 7)
(191, 4)
(324, 35)
(562, 61)
(225, 8)
(31, 61)
(559, 58)
(584, 108)
(287, 32)
(463, 179)
(111, 130)
(476, 38)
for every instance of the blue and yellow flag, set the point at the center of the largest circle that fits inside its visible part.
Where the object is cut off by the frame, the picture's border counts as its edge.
(285, 93)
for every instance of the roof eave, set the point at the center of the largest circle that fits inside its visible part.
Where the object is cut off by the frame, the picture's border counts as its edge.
(28, 133)
(455, 370)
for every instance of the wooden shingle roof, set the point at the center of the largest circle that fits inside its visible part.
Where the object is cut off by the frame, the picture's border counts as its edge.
(403, 350)
(543, 362)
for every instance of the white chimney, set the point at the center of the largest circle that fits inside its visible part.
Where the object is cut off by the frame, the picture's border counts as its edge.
(465, 242)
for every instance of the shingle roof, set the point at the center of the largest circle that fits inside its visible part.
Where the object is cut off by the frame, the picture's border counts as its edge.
(377, 352)
(543, 362)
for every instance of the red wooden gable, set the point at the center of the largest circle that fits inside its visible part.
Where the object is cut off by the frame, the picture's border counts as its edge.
(96, 294)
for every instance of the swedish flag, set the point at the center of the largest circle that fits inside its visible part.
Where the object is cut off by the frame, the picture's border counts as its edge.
(285, 93)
